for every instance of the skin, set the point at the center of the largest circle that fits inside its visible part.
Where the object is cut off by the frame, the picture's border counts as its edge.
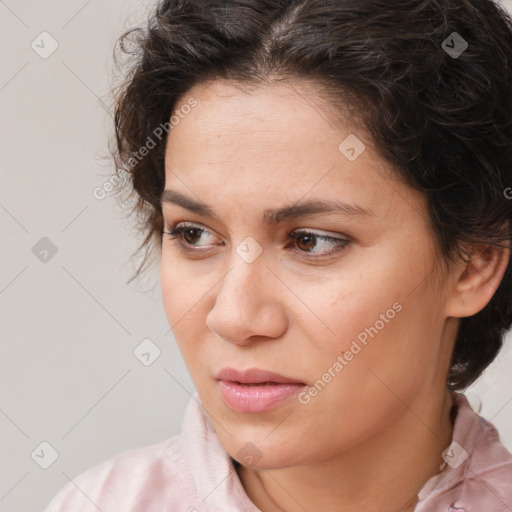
(376, 431)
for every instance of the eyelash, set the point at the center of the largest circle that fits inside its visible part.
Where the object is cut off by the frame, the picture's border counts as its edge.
(176, 232)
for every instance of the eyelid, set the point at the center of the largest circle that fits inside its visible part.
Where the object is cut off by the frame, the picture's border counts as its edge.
(179, 227)
(321, 232)
(318, 232)
(340, 242)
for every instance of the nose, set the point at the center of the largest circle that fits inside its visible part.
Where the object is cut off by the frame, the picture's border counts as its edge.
(248, 306)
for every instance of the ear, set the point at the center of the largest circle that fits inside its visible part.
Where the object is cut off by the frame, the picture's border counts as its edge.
(476, 281)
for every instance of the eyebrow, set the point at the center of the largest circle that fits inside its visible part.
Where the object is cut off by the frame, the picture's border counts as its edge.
(270, 217)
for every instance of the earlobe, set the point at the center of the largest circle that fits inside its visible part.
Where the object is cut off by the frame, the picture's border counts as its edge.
(478, 280)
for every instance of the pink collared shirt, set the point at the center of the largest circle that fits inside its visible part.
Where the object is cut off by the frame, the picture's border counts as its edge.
(192, 472)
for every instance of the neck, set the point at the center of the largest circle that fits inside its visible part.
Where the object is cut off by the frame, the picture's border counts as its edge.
(387, 470)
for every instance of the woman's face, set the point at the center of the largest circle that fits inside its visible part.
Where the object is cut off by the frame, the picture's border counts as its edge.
(356, 319)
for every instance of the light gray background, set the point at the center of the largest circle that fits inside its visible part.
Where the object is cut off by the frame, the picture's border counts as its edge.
(69, 325)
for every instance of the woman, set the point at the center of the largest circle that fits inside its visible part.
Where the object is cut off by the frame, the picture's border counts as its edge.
(327, 184)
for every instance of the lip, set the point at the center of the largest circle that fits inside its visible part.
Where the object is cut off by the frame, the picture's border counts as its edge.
(254, 376)
(254, 390)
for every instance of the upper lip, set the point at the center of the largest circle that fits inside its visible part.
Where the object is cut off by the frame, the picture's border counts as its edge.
(254, 376)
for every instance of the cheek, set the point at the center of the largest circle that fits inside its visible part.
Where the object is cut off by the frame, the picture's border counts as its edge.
(375, 323)
(347, 308)
(171, 289)
(179, 285)
(387, 351)
(184, 305)
(179, 302)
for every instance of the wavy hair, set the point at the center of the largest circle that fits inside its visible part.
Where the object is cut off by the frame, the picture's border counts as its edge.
(438, 111)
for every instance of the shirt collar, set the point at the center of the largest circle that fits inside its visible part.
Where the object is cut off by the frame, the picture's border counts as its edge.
(214, 474)
(460, 455)
(217, 482)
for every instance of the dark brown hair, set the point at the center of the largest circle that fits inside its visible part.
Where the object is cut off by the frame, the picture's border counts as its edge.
(438, 111)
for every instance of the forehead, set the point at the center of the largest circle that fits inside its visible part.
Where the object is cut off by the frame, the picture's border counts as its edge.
(286, 125)
(274, 142)
(268, 106)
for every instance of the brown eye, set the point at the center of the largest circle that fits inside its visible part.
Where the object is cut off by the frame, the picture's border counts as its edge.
(187, 235)
(307, 241)
(191, 235)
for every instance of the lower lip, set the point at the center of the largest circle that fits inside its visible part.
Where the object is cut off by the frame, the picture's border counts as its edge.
(256, 398)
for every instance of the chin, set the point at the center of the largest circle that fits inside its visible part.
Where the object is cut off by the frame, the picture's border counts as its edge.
(256, 452)
(273, 461)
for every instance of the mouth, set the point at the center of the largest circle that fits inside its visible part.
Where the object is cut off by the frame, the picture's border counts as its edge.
(254, 376)
(254, 390)
(254, 384)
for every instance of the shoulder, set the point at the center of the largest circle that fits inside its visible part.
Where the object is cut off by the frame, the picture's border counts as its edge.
(488, 474)
(486, 482)
(478, 473)
(149, 478)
